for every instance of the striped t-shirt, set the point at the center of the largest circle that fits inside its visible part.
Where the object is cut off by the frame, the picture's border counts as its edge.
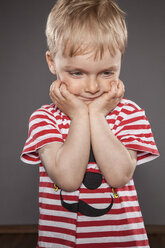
(95, 215)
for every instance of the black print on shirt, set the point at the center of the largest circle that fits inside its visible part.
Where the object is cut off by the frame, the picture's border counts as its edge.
(91, 181)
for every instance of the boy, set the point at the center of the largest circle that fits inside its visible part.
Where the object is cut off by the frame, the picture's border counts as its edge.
(89, 141)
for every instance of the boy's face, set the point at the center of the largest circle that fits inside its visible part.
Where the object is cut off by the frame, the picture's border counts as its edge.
(84, 76)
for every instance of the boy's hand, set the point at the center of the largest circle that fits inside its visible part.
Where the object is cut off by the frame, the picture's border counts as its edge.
(109, 100)
(65, 101)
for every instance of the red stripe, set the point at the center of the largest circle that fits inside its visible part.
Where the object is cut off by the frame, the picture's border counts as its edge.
(56, 241)
(85, 190)
(57, 196)
(58, 219)
(65, 126)
(38, 115)
(133, 119)
(41, 124)
(56, 229)
(41, 133)
(29, 158)
(111, 233)
(144, 156)
(110, 222)
(111, 121)
(140, 135)
(122, 108)
(46, 132)
(94, 200)
(46, 184)
(134, 127)
(131, 139)
(122, 211)
(43, 174)
(142, 148)
(106, 190)
(41, 143)
(112, 211)
(127, 244)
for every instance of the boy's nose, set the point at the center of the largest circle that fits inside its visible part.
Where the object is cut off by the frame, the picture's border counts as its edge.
(92, 86)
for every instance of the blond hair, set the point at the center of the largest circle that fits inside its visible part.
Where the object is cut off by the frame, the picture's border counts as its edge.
(81, 26)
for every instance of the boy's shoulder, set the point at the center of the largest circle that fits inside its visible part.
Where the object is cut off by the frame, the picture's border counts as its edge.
(128, 106)
(47, 109)
(48, 112)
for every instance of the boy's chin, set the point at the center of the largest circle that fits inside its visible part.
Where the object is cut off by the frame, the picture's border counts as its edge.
(87, 103)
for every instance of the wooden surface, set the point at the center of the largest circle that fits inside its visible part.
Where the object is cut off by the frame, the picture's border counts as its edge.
(26, 236)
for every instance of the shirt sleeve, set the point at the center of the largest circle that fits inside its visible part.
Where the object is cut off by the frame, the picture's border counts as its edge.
(134, 131)
(43, 130)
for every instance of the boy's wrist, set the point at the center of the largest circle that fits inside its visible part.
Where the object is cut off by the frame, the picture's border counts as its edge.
(94, 113)
(80, 114)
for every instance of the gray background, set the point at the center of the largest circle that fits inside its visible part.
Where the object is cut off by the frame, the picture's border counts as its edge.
(25, 81)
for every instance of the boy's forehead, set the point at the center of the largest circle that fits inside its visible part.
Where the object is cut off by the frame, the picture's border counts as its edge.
(88, 51)
(88, 59)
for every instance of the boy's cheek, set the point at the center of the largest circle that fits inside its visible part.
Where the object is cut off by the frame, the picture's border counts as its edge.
(108, 84)
(106, 87)
(72, 87)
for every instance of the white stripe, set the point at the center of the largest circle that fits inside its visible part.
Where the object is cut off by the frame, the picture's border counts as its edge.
(110, 216)
(89, 195)
(59, 213)
(136, 115)
(42, 138)
(106, 186)
(50, 245)
(148, 139)
(57, 224)
(126, 215)
(71, 215)
(45, 180)
(145, 160)
(49, 201)
(65, 130)
(115, 206)
(106, 195)
(57, 235)
(49, 121)
(110, 228)
(97, 205)
(133, 132)
(112, 239)
(138, 143)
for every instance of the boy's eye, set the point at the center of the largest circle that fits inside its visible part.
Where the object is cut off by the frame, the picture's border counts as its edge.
(76, 73)
(108, 73)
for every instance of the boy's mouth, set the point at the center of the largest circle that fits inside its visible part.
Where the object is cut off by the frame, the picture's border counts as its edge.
(88, 99)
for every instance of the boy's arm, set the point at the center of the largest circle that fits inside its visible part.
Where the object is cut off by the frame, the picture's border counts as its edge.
(116, 163)
(66, 163)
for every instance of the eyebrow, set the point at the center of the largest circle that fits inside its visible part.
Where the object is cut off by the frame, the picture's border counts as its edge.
(111, 68)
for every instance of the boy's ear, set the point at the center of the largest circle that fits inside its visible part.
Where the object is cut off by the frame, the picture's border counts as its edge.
(50, 62)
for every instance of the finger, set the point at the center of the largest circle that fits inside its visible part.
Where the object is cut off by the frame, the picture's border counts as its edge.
(120, 84)
(54, 92)
(63, 90)
(52, 86)
(51, 90)
(121, 89)
(57, 91)
(65, 93)
(113, 90)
